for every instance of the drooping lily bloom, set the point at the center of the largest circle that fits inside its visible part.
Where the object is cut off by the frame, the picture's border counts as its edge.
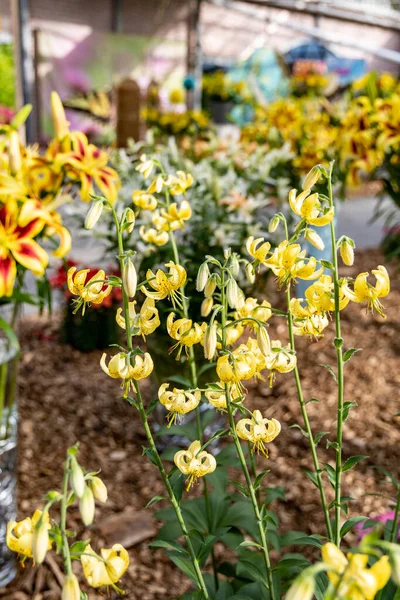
(142, 323)
(166, 284)
(240, 365)
(320, 295)
(120, 367)
(251, 308)
(20, 534)
(257, 248)
(352, 576)
(180, 183)
(153, 236)
(88, 164)
(261, 361)
(288, 263)
(185, 332)
(146, 166)
(233, 333)
(309, 208)
(88, 291)
(366, 292)
(17, 245)
(194, 463)
(144, 200)
(281, 359)
(258, 431)
(308, 320)
(175, 216)
(107, 569)
(217, 397)
(178, 402)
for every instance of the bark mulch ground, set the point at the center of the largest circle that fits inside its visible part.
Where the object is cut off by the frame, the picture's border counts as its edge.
(65, 397)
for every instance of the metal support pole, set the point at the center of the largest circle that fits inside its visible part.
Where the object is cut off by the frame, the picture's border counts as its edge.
(116, 16)
(194, 54)
(23, 53)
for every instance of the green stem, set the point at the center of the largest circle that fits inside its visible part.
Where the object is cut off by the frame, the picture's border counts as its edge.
(262, 527)
(63, 521)
(170, 491)
(253, 468)
(395, 525)
(307, 423)
(340, 372)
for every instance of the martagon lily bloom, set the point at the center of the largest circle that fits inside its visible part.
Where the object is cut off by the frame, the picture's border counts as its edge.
(142, 323)
(194, 463)
(185, 332)
(217, 395)
(17, 245)
(288, 263)
(366, 292)
(320, 295)
(281, 360)
(251, 308)
(258, 249)
(307, 319)
(309, 208)
(20, 534)
(351, 576)
(120, 367)
(144, 200)
(106, 570)
(180, 183)
(166, 284)
(258, 431)
(178, 402)
(153, 236)
(239, 365)
(88, 291)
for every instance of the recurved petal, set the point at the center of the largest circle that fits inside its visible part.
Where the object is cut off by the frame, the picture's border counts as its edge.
(8, 272)
(30, 255)
(382, 286)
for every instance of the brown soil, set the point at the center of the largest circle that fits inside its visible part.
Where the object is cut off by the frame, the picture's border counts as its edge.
(65, 397)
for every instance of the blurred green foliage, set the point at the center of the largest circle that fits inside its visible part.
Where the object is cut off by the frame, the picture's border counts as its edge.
(7, 75)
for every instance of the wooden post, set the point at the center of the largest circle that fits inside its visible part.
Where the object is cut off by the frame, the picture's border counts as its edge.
(37, 87)
(194, 54)
(128, 112)
(152, 96)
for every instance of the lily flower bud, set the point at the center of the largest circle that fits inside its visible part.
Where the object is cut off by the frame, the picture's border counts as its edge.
(40, 541)
(130, 218)
(94, 214)
(206, 306)
(232, 293)
(311, 178)
(129, 278)
(263, 341)
(77, 479)
(273, 224)
(99, 489)
(394, 561)
(210, 286)
(347, 251)
(235, 267)
(87, 506)
(58, 113)
(241, 299)
(314, 239)
(71, 589)
(250, 274)
(210, 341)
(302, 589)
(14, 153)
(202, 277)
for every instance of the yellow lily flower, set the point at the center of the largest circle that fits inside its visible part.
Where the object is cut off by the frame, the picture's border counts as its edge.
(287, 263)
(233, 333)
(281, 359)
(257, 248)
(308, 320)
(178, 402)
(107, 569)
(351, 574)
(258, 431)
(146, 166)
(144, 200)
(365, 292)
(320, 295)
(309, 208)
(251, 308)
(218, 397)
(240, 365)
(20, 534)
(175, 215)
(185, 332)
(194, 463)
(35, 209)
(163, 224)
(166, 285)
(152, 236)
(178, 185)
(259, 356)
(120, 368)
(89, 291)
(61, 125)
(142, 323)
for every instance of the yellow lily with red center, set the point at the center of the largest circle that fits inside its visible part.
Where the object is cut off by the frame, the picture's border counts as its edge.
(88, 164)
(152, 236)
(180, 183)
(34, 208)
(20, 534)
(107, 569)
(17, 245)
(351, 577)
(281, 359)
(287, 263)
(88, 291)
(240, 365)
(258, 431)
(320, 295)
(166, 284)
(194, 463)
(365, 292)
(309, 208)
(178, 402)
(142, 323)
(217, 397)
(185, 332)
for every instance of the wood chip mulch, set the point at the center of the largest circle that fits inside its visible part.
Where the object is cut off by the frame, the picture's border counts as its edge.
(65, 397)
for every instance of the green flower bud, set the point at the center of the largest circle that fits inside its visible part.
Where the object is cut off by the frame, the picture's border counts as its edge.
(311, 178)
(129, 278)
(202, 277)
(99, 489)
(77, 479)
(206, 306)
(94, 214)
(210, 286)
(210, 341)
(263, 341)
(347, 251)
(232, 293)
(87, 506)
(273, 224)
(314, 239)
(250, 274)
(40, 541)
(131, 219)
(71, 589)
(302, 589)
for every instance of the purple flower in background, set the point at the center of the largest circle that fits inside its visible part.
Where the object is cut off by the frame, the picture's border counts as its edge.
(383, 518)
(77, 80)
(6, 115)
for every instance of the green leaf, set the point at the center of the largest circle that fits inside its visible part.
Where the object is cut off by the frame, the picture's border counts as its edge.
(338, 343)
(259, 478)
(331, 473)
(240, 487)
(12, 338)
(180, 380)
(312, 476)
(333, 445)
(349, 524)
(21, 116)
(150, 455)
(205, 368)
(319, 436)
(79, 547)
(350, 462)
(249, 543)
(152, 406)
(347, 406)
(349, 353)
(185, 565)
(312, 400)
(298, 538)
(326, 263)
(132, 402)
(168, 544)
(155, 499)
(331, 371)
(303, 431)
